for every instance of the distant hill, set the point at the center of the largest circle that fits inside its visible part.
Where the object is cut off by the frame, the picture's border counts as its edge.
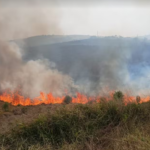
(49, 39)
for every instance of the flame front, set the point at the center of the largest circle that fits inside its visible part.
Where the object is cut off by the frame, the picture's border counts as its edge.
(16, 99)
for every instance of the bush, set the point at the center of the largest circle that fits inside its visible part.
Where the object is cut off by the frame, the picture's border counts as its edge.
(118, 96)
(5, 106)
(138, 99)
(67, 100)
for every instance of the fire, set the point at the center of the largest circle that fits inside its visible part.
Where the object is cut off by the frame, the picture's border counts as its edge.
(16, 99)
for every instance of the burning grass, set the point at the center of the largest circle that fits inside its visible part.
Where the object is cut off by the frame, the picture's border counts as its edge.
(108, 125)
(15, 98)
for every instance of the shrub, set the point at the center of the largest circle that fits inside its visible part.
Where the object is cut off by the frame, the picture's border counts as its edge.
(118, 96)
(67, 100)
(5, 106)
(138, 99)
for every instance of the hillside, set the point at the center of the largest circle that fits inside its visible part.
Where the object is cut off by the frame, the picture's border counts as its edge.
(48, 39)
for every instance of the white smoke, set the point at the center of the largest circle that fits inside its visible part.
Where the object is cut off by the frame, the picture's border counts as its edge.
(30, 77)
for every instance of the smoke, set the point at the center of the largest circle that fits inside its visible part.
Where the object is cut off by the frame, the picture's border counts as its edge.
(110, 69)
(19, 21)
(102, 64)
(30, 77)
(103, 70)
(93, 69)
(116, 64)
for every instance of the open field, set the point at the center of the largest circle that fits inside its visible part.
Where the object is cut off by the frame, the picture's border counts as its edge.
(96, 126)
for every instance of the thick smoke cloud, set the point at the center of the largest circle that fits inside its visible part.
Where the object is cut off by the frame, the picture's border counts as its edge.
(92, 68)
(109, 70)
(29, 77)
(99, 64)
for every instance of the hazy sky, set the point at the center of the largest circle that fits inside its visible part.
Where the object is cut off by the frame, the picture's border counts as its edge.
(125, 18)
(107, 20)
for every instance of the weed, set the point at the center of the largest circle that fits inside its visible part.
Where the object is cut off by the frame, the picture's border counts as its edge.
(5, 106)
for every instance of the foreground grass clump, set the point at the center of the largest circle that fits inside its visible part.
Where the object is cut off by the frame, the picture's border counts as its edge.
(5, 106)
(105, 125)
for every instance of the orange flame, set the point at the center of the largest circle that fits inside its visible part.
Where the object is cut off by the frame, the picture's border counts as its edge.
(16, 99)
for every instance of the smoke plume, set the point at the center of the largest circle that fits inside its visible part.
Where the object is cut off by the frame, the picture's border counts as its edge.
(19, 21)
(93, 65)
(101, 64)
(29, 77)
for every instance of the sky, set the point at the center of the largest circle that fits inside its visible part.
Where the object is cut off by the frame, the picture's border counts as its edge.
(106, 18)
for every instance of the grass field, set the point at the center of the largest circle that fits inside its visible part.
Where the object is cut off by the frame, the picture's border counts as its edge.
(94, 126)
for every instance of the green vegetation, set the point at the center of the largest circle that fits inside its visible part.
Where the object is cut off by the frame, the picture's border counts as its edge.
(67, 100)
(5, 106)
(138, 99)
(105, 125)
(118, 96)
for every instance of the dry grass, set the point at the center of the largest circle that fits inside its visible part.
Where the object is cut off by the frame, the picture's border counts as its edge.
(105, 126)
(17, 115)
